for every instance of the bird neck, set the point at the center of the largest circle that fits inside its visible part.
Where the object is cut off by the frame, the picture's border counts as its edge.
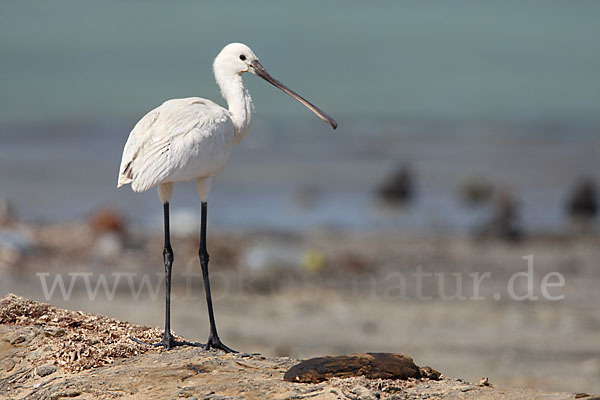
(239, 103)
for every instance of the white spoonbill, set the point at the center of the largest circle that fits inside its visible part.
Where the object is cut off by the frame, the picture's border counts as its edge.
(185, 139)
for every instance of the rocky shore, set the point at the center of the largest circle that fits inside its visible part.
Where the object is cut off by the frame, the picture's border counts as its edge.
(52, 353)
(328, 293)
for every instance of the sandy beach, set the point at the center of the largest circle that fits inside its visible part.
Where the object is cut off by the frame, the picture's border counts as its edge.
(326, 293)
(452, 216)
(52, 353)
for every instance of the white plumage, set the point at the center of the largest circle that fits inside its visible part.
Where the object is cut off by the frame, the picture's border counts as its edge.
(192, 138)
(180, 140)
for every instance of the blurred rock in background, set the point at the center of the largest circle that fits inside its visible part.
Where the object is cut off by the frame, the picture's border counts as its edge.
(505, 223)
(398, 189)
(476, 191)
(582, 206)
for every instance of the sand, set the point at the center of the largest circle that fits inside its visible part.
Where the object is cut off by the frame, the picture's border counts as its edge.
(34, 366)
(331, 293)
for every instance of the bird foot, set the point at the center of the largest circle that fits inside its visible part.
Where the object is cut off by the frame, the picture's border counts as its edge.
(168, 343)
(214, 342)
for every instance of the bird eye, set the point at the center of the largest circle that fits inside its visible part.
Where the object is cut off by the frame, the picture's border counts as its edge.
(242, 57)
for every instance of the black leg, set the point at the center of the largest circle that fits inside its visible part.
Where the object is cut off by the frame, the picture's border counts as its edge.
(213, 339)
(168, 257)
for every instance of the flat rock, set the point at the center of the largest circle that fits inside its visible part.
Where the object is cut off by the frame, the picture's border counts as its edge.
(45, 370)
(116, 370)
(370, 365)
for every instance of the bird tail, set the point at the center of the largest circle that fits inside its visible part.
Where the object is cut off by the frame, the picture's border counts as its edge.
(123, 180)
(125, 176)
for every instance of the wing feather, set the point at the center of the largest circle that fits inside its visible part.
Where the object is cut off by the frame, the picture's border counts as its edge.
(156, 147)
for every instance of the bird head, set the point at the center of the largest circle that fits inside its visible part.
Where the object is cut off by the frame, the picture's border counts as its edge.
(237, 58)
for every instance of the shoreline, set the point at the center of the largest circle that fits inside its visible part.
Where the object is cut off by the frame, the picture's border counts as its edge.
(305, 295)
(55, 353)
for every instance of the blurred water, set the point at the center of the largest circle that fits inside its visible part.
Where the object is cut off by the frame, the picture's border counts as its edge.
(74, 171)
(509, 59)
(506, 90)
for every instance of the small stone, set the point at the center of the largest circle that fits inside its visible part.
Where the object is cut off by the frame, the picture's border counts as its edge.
(53, 332)
(18, 339)
(67, 393)
(586, 396)
(430, 373)
(46, 370)
(363, 393)
(484, 382)
(8, 365)
(35, 354)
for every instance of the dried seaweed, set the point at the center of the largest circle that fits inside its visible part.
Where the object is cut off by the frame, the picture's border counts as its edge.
(75, 340)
